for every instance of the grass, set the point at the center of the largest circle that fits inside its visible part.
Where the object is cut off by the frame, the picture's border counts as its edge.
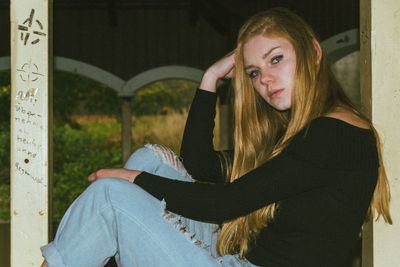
(165, 130)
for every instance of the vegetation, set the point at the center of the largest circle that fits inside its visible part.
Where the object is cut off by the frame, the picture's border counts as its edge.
(163, 97)
(4, 145)
(87, 130)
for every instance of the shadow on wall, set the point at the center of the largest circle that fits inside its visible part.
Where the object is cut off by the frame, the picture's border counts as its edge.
(4, 244)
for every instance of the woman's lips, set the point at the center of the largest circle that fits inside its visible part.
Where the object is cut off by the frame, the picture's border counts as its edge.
(275, 93)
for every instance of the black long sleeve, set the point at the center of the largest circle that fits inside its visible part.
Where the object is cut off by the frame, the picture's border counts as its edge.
(197, 149)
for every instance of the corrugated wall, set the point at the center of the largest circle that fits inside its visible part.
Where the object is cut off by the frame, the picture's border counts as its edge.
(129, 37)
(142, 39)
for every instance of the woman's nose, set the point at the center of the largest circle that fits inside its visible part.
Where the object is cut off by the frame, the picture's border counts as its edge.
(267, 77)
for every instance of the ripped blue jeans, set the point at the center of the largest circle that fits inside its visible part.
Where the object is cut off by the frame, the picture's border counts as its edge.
(114, 217)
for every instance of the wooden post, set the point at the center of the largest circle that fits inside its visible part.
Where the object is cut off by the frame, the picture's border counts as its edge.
(31, 129)
(225, 126)
(126, 129)
(380, 97)
(366, 105)
(225, 120)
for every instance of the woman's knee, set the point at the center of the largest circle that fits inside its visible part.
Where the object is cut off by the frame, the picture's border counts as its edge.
(115, 189)
(121, 194)
(143, 159)
(150, 158)
(103, 185)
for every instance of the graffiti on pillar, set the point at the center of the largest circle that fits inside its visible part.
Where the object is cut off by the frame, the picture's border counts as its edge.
(28, 121)
(28, 127)
(31, 27)
(27, 138)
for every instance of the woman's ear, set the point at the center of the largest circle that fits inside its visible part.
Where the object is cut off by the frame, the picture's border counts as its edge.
(318, 49)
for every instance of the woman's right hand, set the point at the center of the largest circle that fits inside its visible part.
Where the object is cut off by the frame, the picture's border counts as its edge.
(223, 68)
(123, 173)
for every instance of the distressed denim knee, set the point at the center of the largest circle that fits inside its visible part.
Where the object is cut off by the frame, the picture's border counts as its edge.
(143, 159)
(159, 160)
(103, 185)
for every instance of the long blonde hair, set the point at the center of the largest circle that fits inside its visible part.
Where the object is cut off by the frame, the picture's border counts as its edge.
(261, 132)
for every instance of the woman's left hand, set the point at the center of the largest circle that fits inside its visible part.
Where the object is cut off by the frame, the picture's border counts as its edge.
(126, 174)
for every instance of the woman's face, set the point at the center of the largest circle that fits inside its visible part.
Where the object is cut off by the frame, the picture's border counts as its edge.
(270, 63)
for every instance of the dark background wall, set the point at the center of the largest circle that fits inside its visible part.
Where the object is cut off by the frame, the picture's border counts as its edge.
(126, 37)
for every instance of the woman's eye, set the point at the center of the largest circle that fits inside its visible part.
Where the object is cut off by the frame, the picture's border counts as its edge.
(254, 74)
(276, 59)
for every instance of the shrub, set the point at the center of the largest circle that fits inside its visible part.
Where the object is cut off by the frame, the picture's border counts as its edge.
(163, 97)
(77, 153)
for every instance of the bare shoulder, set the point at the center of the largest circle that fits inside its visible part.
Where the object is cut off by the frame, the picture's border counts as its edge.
(348, 117)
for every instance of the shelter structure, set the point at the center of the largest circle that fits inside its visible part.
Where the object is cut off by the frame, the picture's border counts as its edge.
(128, 44)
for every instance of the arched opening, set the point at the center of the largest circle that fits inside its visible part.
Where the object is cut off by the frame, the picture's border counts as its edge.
(343, 53)
(347, 71)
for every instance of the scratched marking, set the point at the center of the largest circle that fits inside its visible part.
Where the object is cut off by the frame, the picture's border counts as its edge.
(28, 95)
(29, 72)
(23, 110)
(27, 153)
(26, 30)
(22, 171)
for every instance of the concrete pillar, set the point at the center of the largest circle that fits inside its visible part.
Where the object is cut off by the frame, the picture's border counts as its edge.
(380, 98)
(31, 129)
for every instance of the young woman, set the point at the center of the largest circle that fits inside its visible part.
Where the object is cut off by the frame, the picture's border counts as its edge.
(305, 172)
